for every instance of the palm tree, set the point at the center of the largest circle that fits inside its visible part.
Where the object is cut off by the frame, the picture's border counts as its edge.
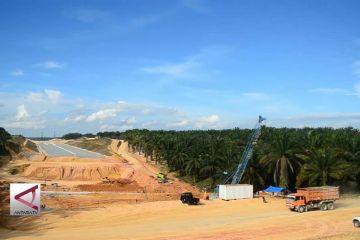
(192, 167)
(312, 140)
(321, 168)
(283, 158)
(214, 163)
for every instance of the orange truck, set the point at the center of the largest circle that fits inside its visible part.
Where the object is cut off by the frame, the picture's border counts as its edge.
(313, 198)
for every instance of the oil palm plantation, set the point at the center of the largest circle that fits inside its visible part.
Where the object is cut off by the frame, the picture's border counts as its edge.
(282, 158)
(322, 167)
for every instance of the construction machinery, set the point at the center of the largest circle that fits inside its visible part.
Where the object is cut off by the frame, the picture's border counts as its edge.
(236, 176)
(161, 177)
(356, 221)
(188, 198)
(313, 198)
(107, 180)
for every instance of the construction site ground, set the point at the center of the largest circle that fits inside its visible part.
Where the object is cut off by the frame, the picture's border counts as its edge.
(216, 219)
(134, 205)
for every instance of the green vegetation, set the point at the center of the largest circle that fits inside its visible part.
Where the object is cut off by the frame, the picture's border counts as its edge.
(32, 146)
(72, 136)
(9, 145)
(100, 145)
(69, 136)
(113, 135)
(285, 157)
(4, 138)
(15, 144)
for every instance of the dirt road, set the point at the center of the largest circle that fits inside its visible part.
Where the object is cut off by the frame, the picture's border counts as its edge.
(242, 219)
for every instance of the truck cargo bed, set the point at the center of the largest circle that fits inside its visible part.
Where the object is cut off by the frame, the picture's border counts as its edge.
(319, 193)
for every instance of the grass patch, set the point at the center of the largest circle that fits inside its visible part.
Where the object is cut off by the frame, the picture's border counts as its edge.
(32, 146)
(99, 145)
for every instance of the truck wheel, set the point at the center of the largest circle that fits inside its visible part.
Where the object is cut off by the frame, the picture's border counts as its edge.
(356, 223)
(301, 209)
(323, 207)
(330, 206)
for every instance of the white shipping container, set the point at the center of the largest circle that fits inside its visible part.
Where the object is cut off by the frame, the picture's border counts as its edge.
(236, 191)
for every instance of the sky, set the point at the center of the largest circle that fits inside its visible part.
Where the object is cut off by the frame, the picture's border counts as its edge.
(90, 66)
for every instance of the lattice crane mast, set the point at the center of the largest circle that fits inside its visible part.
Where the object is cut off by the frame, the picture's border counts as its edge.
(247, 154)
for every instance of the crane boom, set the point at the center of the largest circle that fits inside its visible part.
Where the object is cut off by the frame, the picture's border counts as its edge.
(247, 154)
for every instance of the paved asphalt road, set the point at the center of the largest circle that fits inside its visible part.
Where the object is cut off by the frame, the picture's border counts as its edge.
(59, 149)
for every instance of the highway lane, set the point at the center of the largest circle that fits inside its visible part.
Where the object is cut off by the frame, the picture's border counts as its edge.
(61, 150)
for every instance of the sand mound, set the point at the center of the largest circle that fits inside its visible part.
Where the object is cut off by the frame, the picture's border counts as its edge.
(115, 145)
(94, 172)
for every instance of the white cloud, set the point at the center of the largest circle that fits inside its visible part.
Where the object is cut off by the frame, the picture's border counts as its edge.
(353, 92)
(175, 70)
(102, 114)
(211, 121)
(336, 120)
(50, 65)
(28, 124)
(182, 123)
(108, 127)
(194, 66)
(75, 119)
(53, 95)
(329, 90)
(22, 113)
(130, 120)
(122, 126)
(17, 73)
(23, 120)
(48, 95)
(35, 97)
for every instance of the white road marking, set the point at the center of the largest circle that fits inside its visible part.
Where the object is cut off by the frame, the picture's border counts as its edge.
(75, 154)
(42, 150)
(88, 151)
(63, 148)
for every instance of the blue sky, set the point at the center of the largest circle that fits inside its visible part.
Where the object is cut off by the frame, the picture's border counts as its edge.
(90, 66)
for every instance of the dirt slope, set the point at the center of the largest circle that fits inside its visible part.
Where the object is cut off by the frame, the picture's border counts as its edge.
(145, 173)
(122, 168)
(93, 171)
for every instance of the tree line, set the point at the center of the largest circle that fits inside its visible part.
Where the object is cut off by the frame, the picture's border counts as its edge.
(4, 138)
(69, 136)
(285, 157)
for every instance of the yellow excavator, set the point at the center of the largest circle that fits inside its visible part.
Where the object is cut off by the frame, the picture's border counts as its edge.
(161, 177)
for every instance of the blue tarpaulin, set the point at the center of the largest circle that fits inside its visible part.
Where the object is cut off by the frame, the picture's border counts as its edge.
(273, 189)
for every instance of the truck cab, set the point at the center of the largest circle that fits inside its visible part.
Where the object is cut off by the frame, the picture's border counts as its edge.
(295, 201)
